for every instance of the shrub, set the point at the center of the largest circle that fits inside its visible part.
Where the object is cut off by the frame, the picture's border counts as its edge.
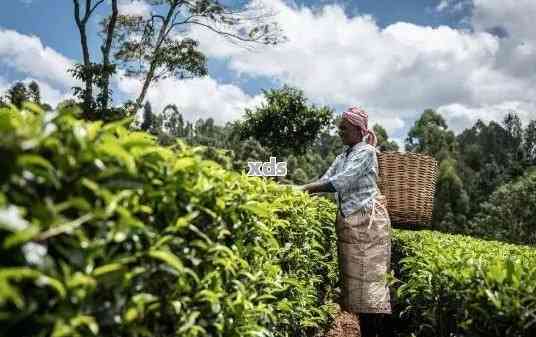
(105, 233)
(453, 285)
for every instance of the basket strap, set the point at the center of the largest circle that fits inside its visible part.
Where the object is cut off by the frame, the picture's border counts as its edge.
(372, 213)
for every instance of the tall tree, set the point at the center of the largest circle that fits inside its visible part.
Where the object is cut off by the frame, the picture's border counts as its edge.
(18, 94)
(89, 72)
(174, 123)
(514, 144)
(148, 117)
(451, 202)
(529, 143)
(509, 213)
(430, 135)
(285, 124)
(155, 47)
(34, 92)
(384, 143)
(491, 155)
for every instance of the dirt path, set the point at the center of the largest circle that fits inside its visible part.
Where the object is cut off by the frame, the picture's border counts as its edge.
(345, 325)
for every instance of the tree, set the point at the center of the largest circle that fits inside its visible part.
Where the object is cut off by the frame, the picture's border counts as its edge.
(148, 118)
(514, 144)
(174, 122)
(384, 143)
(285, 124)
(529, 143)
(430, 135)
(155, 47)
(34, 92)
(89, 72)
(510, 214)
(451, 202)
(491, 155)
(18, 94)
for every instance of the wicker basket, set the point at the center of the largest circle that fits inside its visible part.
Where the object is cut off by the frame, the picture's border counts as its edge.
(408, 182)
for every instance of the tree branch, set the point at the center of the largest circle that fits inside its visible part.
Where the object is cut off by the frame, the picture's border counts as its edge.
(175, 24)
(77, 13)
(86, 13)
(227, 34)
(158, 17)
(97, 4)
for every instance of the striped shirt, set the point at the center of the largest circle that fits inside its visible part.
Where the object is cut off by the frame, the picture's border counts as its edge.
(353, 174)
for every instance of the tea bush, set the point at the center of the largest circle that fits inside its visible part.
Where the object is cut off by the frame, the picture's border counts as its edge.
(105, 233)
(453, 285)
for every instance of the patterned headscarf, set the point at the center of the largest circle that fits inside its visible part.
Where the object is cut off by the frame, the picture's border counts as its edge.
(359, 117)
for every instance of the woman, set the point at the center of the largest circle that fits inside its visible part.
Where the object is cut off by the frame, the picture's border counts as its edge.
(363, 225)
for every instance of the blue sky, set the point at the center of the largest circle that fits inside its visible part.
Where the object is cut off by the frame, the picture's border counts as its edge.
(395, 58)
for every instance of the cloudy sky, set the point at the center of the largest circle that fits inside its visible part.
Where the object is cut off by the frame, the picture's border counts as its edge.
(468, 59)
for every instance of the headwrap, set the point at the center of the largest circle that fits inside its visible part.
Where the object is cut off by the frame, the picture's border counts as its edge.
(359, 117)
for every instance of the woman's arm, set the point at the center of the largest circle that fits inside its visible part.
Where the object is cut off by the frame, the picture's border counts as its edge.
(318, 186)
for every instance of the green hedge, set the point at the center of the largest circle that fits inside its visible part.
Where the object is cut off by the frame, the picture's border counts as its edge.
(104, 233)
(453, 285)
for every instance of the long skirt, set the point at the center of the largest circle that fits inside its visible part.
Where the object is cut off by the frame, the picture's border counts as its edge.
(364, 246)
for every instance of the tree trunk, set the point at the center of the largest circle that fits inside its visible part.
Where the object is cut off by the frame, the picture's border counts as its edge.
(88, 83)
(106, 48)
(152, 68)
(145, 88)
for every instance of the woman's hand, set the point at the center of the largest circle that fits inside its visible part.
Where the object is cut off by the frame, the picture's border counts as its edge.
(299, 188)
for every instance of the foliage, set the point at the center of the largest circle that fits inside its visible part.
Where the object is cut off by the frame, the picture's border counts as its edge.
(155, 46)
(453, 285)
(148, 117)
(106, 233)
(98, 75)
(490, 156)
(384, 144)
(529, 144)
(430, 135)
(93, 73)
(19, 93)
(285, 124)
(451, 202)
(510, 212)
(34, 92)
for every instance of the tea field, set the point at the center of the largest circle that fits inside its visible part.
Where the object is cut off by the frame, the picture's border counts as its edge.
(106, 233)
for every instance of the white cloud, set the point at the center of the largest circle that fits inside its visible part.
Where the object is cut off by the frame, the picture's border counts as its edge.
(195, 98)
(29, 56)
(452, 5)
(395, 72)
(134, 7)
(442, 5)
(515, 19)
(49, 94)
(36, 62)
(460, 117)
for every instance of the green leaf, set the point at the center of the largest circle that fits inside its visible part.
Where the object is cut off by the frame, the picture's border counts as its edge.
(22, 236)
(169, 258)
(263, 210)
(107, 268)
